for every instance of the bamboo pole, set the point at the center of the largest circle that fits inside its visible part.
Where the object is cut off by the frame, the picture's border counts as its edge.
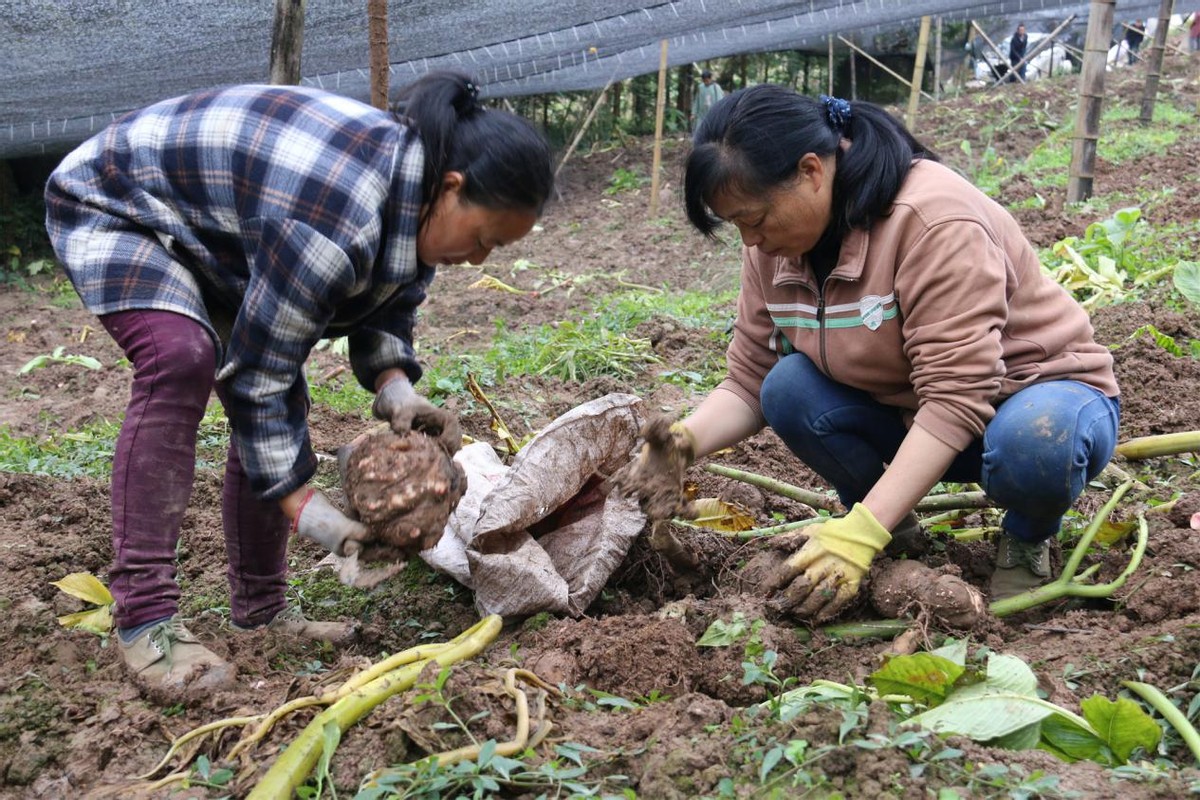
(287, 42)
(853, 75)
(659, 103)
(937, 58)
(1091, 99)
(856, 49)
(988, 40)
(1042, 45)
(914, 94)
(1154, 63)
(829, 42)
(377, 35)
(582, 129)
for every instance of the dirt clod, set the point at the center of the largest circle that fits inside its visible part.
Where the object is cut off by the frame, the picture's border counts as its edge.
(403, 488)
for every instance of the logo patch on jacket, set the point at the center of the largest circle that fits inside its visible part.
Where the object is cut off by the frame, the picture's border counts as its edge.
(870, 308)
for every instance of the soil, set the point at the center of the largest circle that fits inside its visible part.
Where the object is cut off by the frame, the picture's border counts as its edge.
(73, 725)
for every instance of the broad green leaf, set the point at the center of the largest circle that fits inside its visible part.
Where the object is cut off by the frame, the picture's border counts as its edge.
(95, 620)
(954, 650)
(1069, 741)
(85, 586)
(1123, 725)
(770, 760)
(1004, 702)
(924, 677)
(1026, 738)
(722, 634)
(1187, 280)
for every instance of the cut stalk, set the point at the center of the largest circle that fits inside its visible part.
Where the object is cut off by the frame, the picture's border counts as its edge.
(1163, 705)
(781, 488)
(297, 761)
(1167, 444)
(954, 501)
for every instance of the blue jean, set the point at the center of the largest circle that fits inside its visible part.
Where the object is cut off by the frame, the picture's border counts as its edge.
(1035, 457)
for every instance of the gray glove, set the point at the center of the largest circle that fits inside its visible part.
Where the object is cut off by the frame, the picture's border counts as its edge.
(398, 404)
(320, 520)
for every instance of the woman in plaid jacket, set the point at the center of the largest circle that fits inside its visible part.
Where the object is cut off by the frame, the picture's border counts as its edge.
(219, 236)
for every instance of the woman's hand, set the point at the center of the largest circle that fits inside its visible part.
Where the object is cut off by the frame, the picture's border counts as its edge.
(822, 578)
(399, 405)
(314, 517)
(655, 476)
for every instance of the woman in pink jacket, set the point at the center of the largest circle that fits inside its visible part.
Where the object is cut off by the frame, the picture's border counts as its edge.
(895, 329)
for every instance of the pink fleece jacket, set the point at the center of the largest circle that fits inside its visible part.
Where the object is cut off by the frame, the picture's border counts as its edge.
(941, 308)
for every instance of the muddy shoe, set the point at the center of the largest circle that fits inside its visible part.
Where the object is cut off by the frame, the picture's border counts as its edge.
(292, 622)
(168, 657)
(1020, 566)
(908, 540)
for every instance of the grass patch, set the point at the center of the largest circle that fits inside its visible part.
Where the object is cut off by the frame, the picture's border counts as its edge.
(88, 452)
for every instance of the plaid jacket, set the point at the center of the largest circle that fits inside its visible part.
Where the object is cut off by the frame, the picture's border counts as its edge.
(275, 217)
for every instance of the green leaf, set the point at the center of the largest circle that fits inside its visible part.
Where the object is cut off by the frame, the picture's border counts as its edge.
(925, 677)
(954, 650)
(1026, 738)
(486, 751)
(1123, 725)
(1187, 280)
(723, 634)
(1003, 703)
(770, 760)
(1066, 739)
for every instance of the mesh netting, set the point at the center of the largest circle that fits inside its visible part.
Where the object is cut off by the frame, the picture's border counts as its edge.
(73, 66)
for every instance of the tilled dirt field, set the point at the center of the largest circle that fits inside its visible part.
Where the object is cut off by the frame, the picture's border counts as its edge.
(71, 725)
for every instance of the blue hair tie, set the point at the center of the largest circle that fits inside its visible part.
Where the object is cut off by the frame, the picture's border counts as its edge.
(837, 111)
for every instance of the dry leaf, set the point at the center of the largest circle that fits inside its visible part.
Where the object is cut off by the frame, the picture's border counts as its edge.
(722, 516)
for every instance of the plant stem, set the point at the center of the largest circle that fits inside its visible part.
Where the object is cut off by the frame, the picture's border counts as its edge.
(1167, 444)
(1162, 704)
(774, 530)
(790, 491)
(297, 761)
(954, 500)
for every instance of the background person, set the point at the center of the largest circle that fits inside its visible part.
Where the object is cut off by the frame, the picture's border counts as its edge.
(1134, 35)
(707, 95)
(218, 236)
(1016, 50)
(895, 329)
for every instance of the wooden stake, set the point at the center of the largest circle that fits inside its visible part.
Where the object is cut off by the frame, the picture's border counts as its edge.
(853, 75)
(937, 58)
(856, 49)
(829, 40)
(287, 40)
(377, 34)
(658, 129)
(1154, 63)
(582, 129)
(1091, 98)
(914, 95)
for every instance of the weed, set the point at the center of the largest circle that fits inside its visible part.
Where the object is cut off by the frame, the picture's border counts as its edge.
(625, 180)
(59, 357)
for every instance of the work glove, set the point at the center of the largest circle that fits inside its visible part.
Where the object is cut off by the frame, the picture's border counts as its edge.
(655, 475)
(398, 404)
(319, 520)
(819, 580)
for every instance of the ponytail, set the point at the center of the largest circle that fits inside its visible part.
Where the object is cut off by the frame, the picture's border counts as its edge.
(505, 160)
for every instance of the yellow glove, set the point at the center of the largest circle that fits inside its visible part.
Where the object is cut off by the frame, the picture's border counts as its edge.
(820, 579)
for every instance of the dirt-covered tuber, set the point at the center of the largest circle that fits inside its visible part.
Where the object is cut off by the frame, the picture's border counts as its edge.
(403, 488)
(909, 587)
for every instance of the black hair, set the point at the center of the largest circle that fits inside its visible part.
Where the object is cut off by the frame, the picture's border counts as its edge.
(753, 140)
(505, 160)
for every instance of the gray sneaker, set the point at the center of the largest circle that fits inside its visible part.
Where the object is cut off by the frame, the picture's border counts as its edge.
(1020, 566)
(168, 658)
(292, 622)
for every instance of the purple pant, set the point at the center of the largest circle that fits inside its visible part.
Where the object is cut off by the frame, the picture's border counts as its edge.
(153, 467)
